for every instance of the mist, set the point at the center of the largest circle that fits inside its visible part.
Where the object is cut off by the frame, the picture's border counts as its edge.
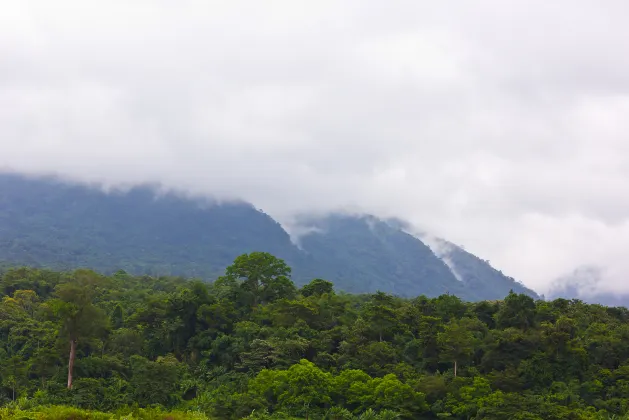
(500, 126)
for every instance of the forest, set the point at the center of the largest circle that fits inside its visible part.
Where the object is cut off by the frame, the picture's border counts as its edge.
(82, 345)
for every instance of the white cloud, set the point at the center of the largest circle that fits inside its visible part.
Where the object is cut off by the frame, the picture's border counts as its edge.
(498, 125)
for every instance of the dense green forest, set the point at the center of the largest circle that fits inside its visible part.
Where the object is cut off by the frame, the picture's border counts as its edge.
(252, 345)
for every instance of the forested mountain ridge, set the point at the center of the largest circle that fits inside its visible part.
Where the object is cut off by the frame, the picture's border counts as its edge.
(252, 345)
(387, 259)
(62, 225)
(49, 223)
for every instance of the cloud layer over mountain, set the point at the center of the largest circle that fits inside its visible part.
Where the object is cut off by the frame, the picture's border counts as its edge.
(501, 126)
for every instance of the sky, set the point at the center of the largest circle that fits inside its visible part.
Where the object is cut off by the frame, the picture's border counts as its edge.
(500, 126)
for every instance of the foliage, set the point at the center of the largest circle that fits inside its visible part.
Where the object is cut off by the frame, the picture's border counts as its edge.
(71, 413)
(252, 345)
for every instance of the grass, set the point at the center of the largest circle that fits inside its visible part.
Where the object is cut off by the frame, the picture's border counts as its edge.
(70, 413)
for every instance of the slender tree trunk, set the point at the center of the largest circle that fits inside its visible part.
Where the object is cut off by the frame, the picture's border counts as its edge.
(256, 293)
(71, 362)
(455, 368)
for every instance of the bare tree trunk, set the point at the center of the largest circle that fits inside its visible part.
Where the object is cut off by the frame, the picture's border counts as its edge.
(71, 362)
(455, 368)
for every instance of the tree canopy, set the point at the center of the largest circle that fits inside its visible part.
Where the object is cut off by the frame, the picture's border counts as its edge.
(252, 345)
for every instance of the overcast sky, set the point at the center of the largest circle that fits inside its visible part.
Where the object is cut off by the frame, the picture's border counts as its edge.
(499, 125)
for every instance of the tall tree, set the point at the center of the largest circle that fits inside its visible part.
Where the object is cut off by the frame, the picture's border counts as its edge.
(381, 315)
(75, 308)
(457, 341)
(264, 277)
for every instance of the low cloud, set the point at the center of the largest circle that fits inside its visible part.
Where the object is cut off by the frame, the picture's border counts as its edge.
(499, 126)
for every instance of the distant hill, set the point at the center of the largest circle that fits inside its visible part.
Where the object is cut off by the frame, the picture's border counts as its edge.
(366, 254)
(479, 277)
(583, 284)
(46, 222)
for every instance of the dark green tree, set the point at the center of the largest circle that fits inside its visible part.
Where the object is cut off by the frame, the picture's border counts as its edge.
(517, 310)
(317, 287)
(75, 309)
(457, 341)
(262, 276)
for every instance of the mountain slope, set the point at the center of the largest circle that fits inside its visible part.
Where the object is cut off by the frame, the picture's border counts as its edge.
(49, 223)
(58, 225)
(365, 253)
(479, 277)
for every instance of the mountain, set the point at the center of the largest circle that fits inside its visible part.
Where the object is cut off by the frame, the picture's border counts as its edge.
(367, 254)
(479, 277)
(47, 222)
(60, 225)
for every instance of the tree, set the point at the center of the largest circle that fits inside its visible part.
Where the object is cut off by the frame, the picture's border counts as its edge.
(391, 394)
(155, 382)
(261, 355)
(317, 287)
(117, 318)
(457, 341)
(517, 311)
(42, 363)
(13, 370)
(381, 315)
(470, 398)
(264, 277)
(200, 347)
(79, 317)
(427, 332)
(308, 388)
